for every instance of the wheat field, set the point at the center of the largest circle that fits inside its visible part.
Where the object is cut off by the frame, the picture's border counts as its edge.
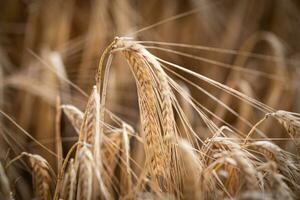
(125, 99)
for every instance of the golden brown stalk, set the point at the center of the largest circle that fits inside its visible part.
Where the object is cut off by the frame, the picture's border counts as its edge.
(155, 105)
(58, 142)
(143, 65)
(149, 122)
(125, 177)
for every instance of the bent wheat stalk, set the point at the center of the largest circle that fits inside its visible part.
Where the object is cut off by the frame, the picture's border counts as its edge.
(157, 118)
(290, 121)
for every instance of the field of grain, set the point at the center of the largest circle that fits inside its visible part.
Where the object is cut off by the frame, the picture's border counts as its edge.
(126, 99)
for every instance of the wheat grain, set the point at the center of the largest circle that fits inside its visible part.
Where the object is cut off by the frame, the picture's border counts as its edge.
(154, 93)
(267, 149)
(74, 115)
(90, 124)
(42, 177)
(69, 182)
(85, 174)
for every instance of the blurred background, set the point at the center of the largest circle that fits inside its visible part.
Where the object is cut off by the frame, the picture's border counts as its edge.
(45, 45)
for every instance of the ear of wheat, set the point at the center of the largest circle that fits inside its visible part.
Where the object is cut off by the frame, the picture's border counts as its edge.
(157, 118)
(68, 189)
(85, 173)
(41, 175)
(89, 131)
(290, 122)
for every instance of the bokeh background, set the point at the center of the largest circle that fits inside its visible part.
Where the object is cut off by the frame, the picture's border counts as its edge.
(46, 44)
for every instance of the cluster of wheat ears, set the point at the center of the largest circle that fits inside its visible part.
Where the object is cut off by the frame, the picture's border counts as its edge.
(104, 164)
(178, 148)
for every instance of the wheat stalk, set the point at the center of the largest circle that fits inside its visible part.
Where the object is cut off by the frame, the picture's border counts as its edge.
(125, 177)
(154, 94)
